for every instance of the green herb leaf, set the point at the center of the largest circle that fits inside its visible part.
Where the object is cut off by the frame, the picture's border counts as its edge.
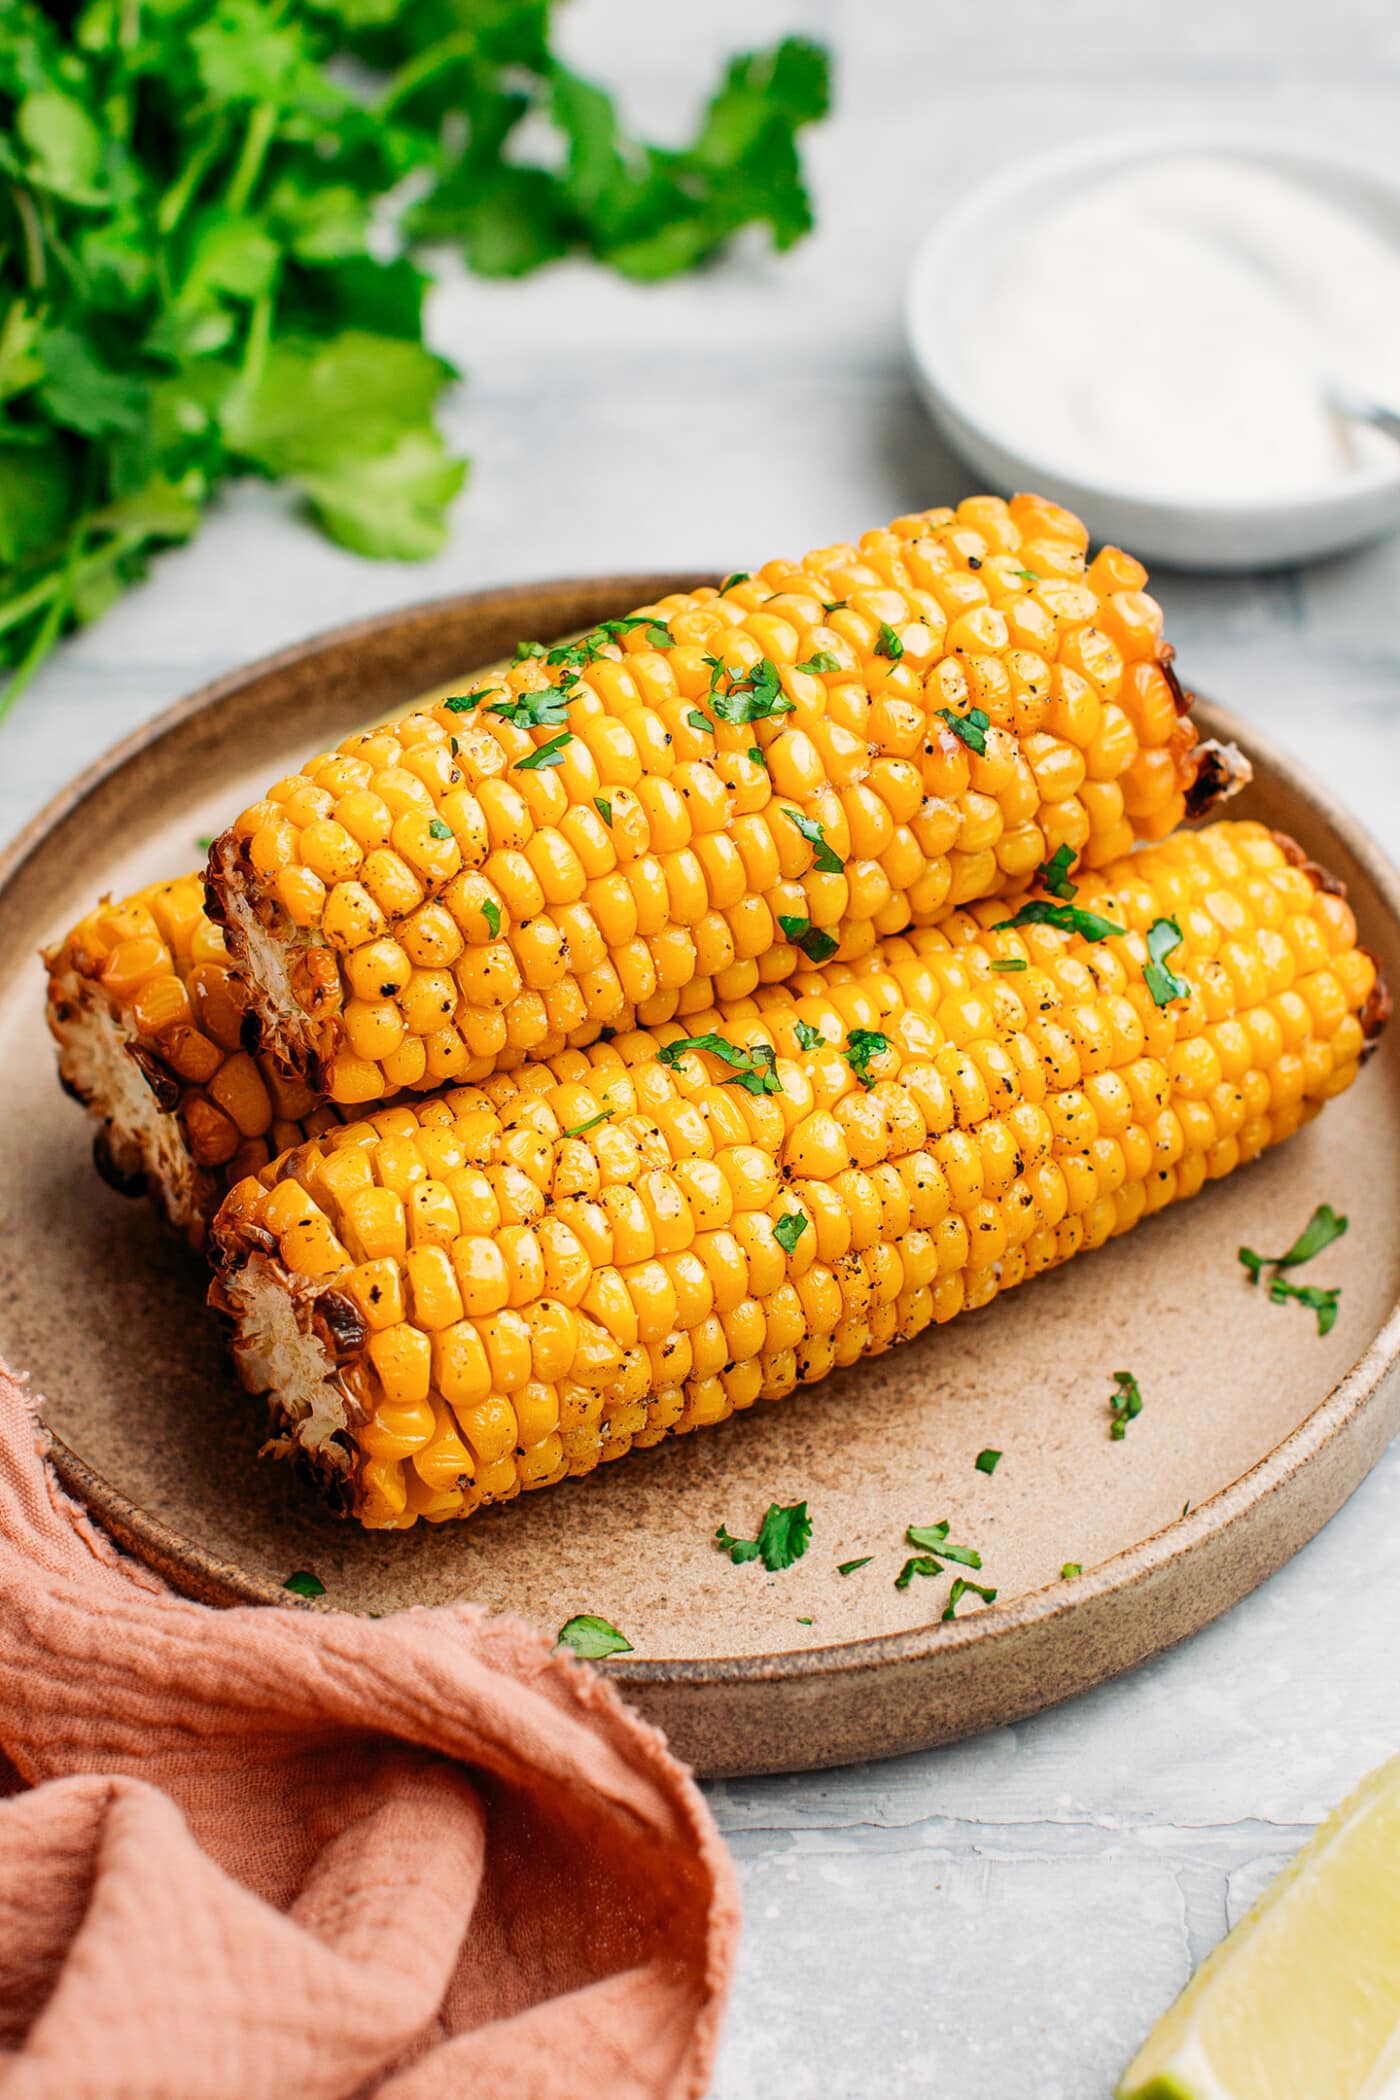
(988, 1461)
(738, 576)
(1053, 874)
(827, 861)
(466, 703)
(491, 912)
(933, 1538)
(700, 722)
(816, 944)
(963, 1588)
(889, 643)
(753, 1068)
(848, 1567)
(822, 661)
(789, 1229)
(304, 1584)
(782, 1538)
(747, 696)
(525, 650)
(1070, 918)
(545, 708)
(1325, 1303)
(861, 1045)
(1163, 937)
(971, 728)
(1070, 1569)
(549, 754)
(438, 830)
(917, 1564)
(592, 1637)
(603, 807)
(1005, 965)
(204, 841)
(1323, 1227)
(1125, 1406)
(757, 756)
(808, 1037)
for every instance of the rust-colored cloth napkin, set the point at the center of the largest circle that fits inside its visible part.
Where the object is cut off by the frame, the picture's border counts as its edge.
(287, 1855)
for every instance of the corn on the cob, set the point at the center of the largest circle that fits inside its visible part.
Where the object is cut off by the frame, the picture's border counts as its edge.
(696, 802)
(150, 1025)
(468, 1295)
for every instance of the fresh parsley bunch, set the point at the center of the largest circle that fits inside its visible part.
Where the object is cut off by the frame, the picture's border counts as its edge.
(204, 269)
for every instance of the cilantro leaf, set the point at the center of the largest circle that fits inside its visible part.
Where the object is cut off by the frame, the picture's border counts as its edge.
(1125, 1406)
(817, 945)
(1053, 874)
(971, 728)
(592, 1637)
(550, 753)
(438, 830)
(491, 912)
(747, 696)
(808, 1037)
(465, 703)
(848, 1567)
(1326, 1303)
(889, 643)
(933, 1538)
(1070, 918)
(1163, 937)
(822, 661)
(1006, 965)
(1323, 1227)
(753, 1068)
(545, 708)
(917, 1564)
(700, 722)
(603, 807)
(963, 1588)
(988, 1461)
(827, 861)
(861, 1045)
(789, 1229)
(782, 1538)
(304, 1584)
(1070, 1569)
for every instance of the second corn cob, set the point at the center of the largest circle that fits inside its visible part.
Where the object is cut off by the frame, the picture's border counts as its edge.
(490, 1290)
(705, 797)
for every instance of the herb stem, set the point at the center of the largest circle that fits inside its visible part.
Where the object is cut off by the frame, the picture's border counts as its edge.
(416, 74)
(35, 266)
(60, 582)
(47, 633)
(174, 204)
(256, 140)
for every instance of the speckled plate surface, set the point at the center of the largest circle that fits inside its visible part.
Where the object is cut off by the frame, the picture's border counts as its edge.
(1250, 1418)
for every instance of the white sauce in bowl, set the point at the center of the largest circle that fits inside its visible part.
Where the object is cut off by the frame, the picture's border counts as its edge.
(1173, 330)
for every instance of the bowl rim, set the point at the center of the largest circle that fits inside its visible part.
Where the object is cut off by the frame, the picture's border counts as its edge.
(194, 1569)
(990, 200)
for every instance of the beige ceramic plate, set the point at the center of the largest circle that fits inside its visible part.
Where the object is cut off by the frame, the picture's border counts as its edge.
(1251, 1419)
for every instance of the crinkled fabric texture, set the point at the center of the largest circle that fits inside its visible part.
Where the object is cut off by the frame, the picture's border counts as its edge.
(257, 1854)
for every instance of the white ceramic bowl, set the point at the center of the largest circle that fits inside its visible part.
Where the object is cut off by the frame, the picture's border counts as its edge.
(1198, 535)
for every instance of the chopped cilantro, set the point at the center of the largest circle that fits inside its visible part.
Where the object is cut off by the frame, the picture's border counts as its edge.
(550, 754)
(1163, 936)
(971, 728)
(817, 946)
(848, 1567)
(1030, 573)
(790, 1228)
(525, 650)
(1326, 1303)
(747, 696)
(1324, 1226)
(826, 862)
(822, 661)
(782, 1538)
(1125, 1406)
(303, 1584)
(591, 1123)
(464, 703)
(700, 722)
(603, 807)
(757, 756)
(592, 1637)
(1053, 874)
(453, 746)
(836, 605)
(988, 1461)
(438, 830)
(754, 1069)
(889, 644)
(491, 912)
(738, 576)
(808, 1037)
(1070, 1569)
(658, 634)
(917, 1564)
(205, 841)
(933, 1538)
(861, 1045)
(804, 1622)
(545, 708)
(963, 1588)
(1004, 964)
(1070, 918)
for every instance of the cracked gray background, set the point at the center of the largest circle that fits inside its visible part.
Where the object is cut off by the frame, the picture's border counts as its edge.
(1003, 1920)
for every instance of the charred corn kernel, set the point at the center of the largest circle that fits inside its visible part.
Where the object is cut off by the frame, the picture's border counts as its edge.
(676, 851)
(937, 1132)
(148, 985)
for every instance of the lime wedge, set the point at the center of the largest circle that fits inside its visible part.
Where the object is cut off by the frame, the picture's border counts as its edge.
(1302, 2001)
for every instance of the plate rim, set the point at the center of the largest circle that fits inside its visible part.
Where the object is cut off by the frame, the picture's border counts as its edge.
(197, 1571)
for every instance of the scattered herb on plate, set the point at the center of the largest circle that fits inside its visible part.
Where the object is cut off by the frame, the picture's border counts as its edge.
(304, 1584)
(848, 1567)
(1124, 1406)
(988, 1461)
(1323, 1227)
(592, 1637)
(782, 1538)
(963, 1588)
